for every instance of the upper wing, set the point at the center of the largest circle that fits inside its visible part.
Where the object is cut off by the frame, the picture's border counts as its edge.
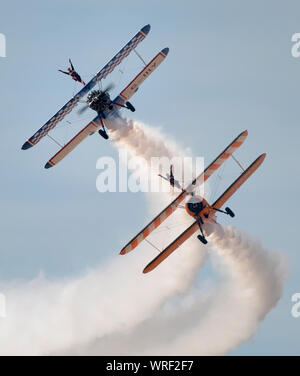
(91, 128)
(68, 107)
(236, 143)
(218, 204)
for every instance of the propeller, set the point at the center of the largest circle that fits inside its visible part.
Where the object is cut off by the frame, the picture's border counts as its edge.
(109, 87)
(106, 90)
(82, 110)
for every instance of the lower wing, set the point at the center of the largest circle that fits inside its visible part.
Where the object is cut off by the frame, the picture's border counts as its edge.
(132, 88)
(91, 128)
(171, 248)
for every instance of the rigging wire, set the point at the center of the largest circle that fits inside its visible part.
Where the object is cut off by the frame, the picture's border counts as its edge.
(53, 139)
(148, 241)
(139, 56)
(219, 176)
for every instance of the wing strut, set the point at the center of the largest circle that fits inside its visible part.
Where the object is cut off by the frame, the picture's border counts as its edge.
(140, 57)
(53, 139)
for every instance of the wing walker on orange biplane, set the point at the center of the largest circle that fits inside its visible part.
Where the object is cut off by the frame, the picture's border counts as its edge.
(196, 206)
(99, 100)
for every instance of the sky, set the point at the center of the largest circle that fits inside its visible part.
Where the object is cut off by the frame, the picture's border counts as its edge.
(229, 68)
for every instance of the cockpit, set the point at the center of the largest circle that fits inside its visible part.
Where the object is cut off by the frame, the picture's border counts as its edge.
(195, 205)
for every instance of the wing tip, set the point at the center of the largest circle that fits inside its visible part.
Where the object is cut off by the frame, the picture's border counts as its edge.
(165, 51)
(146, 270)
(48, 165)
(146, 29)
(262, 157)
(26, 145)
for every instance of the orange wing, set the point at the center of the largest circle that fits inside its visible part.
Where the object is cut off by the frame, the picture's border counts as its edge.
(218, 204)
(239, 181)
(235, 144)
(171, 248)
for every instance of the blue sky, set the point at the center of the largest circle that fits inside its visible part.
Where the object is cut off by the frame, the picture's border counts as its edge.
(229, 68)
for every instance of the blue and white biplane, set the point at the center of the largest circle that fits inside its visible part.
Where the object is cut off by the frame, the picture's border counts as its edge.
(99, 100)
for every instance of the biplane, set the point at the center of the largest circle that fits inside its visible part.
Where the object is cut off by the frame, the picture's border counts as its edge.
(99, 100)
(196, 206)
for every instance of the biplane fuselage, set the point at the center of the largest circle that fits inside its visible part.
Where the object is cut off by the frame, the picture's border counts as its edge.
(198, 207)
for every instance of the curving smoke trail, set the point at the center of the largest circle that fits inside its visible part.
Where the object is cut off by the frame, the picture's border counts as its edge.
(212, 319)
(50, 316)
(115, 309)
(252, 286)
(143, 141)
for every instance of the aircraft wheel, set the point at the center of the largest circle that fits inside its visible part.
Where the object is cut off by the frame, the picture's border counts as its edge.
(103, 134)
(229, 212)
(202, 239)
(130, 106)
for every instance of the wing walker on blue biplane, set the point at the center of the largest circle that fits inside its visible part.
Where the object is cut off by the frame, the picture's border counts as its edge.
(99, 100)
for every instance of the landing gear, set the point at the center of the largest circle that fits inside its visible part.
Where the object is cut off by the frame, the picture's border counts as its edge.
(229, 212)
(130, 106)
(103, 133)
(201, 237)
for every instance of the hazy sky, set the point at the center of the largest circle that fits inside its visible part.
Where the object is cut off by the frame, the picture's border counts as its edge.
(229, 68)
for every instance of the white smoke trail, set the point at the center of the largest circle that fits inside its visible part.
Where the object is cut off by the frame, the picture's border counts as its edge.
(131, 313)
(211, 320)
(253, 286)
(50, 316)
(203, 322)
(141, 140)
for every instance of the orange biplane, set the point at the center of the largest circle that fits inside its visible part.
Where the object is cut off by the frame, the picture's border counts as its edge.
(196, 206)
